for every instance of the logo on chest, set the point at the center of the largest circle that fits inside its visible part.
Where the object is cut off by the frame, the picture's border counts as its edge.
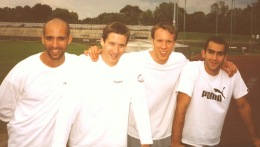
(216, 95)
(118, 81)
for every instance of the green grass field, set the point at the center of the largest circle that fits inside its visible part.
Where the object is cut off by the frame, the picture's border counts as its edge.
(194, 36)
(14, 51)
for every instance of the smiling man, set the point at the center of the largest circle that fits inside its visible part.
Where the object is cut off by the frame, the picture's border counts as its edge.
(31, 92)
(99, 116)
(204, 95)
(55, 42)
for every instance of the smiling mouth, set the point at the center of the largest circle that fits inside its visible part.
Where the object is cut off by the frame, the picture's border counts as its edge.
(114, 56)
(213, 63)
(163, 52)
(55, 51)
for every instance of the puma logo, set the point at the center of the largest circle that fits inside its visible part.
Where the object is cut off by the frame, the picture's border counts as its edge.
(221, 92)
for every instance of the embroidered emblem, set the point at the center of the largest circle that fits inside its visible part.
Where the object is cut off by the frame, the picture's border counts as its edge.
(140, 78)
(118, 81)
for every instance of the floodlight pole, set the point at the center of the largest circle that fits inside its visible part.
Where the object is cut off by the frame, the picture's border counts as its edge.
(234, 17)
(184, 25)
(175, 14)
(252, 11)
(231, 24)
(217, 11)
(251, 40)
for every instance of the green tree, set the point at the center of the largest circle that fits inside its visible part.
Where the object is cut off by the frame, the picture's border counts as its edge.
(7, 14)
(256, 16)
(28, 12)
(70, 17)
(241, 22)
(197, 22)
(74, 18)
(22, 14)
(147, 18)
(41, 13)
(164, 12)
(106, 18)
(219, 17)
(132, 14)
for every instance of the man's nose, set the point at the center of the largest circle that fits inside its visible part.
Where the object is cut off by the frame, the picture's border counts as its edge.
(55, 43)
(164, 44)
(215, 56)
(116, 49)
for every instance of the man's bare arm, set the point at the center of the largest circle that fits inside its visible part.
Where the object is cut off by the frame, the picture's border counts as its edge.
(145, 145)
(93, 52)
(183, 101)
(229, 67)
(245, 112)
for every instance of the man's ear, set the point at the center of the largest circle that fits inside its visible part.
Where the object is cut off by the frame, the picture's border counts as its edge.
(70, 39)
(152, 41)
(102, 42)
(203, 52)
(42, 38)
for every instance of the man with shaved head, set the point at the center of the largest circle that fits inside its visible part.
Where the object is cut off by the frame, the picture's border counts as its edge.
(31, 92)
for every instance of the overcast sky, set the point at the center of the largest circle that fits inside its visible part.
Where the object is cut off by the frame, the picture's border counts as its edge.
(92, 8)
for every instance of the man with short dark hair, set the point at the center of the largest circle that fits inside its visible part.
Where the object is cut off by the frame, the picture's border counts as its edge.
(204, 95)
(99, 116)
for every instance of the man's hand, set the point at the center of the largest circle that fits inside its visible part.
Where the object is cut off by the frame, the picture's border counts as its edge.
(256, 142)
(93, 52)
(229, 67)
(177, 145)
(145, 145)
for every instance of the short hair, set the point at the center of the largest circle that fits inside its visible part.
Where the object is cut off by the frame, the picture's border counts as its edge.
(165, 26)
(218, 40)
(58, 19)
(116, 27)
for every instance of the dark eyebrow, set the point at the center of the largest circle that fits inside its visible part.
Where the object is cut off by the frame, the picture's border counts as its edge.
(60, 37)
(211, 50)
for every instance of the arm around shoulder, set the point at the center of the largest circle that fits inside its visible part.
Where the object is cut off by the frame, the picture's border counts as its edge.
(229, 67)
(93, 52)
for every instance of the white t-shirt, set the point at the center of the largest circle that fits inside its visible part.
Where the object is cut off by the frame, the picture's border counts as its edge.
(210, 99)
(99, 118)
(29, 100)
(160, 82)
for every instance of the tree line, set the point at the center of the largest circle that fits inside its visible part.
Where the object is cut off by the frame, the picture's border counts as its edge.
(221, 18)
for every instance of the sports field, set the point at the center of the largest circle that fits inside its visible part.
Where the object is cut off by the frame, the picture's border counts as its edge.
(234, 133)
